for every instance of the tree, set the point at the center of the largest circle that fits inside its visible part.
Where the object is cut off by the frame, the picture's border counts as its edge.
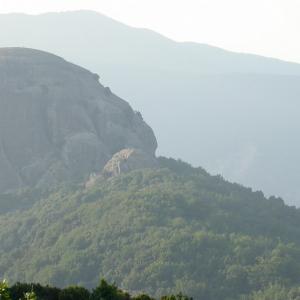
(30, 296)
(176, 297)
(106, 291)
(4, 294)
(74, 293)
(142, 297)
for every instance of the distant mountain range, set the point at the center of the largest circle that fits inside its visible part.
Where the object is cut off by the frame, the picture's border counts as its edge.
(234, 114)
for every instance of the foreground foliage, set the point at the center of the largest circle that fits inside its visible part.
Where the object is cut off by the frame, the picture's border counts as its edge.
(159, 231)
(104, 291)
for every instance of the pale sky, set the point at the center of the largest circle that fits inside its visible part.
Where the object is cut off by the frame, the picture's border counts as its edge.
(265, 27)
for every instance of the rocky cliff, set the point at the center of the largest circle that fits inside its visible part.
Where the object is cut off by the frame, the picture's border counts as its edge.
(58, 123)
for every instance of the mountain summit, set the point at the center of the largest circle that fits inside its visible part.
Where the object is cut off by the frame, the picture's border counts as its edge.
(58, 123)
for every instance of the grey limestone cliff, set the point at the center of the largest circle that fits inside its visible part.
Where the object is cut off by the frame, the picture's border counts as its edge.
(58, 123)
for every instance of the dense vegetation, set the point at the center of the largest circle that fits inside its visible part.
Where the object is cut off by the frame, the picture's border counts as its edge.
(170, 230)
(103, 291)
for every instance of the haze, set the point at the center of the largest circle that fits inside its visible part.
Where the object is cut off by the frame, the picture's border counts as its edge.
(149, 150)
(264, 27)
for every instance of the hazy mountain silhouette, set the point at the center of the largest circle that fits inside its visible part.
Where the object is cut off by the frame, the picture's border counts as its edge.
(234, 114)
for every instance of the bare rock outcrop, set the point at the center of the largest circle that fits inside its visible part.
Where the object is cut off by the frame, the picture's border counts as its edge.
(58, 123)
(128, 160)
(122, 162)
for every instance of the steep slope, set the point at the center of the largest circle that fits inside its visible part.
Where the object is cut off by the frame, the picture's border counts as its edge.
(234, 107)
(156, 230)
(58, 123)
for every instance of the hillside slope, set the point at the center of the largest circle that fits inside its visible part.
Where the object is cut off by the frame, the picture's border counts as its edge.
(234, 107)
(160, 231)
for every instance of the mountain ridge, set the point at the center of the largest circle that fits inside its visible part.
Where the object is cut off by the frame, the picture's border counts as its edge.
(207, 94)
(104, 20)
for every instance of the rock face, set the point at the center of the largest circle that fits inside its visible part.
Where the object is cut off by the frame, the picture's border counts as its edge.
(58, 123)
(122, 162)
(127, 160)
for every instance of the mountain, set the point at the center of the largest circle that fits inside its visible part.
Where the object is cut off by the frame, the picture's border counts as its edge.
(160, 231)
(58, 123)
(83, 197)
(235, 114)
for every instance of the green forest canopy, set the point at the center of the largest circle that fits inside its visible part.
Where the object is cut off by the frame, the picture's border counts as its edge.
(162, 231)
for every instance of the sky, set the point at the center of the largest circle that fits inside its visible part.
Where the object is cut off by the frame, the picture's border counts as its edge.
(265, 27)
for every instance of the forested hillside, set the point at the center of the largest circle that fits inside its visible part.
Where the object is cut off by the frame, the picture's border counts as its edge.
(104, 291)
(160, 231)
